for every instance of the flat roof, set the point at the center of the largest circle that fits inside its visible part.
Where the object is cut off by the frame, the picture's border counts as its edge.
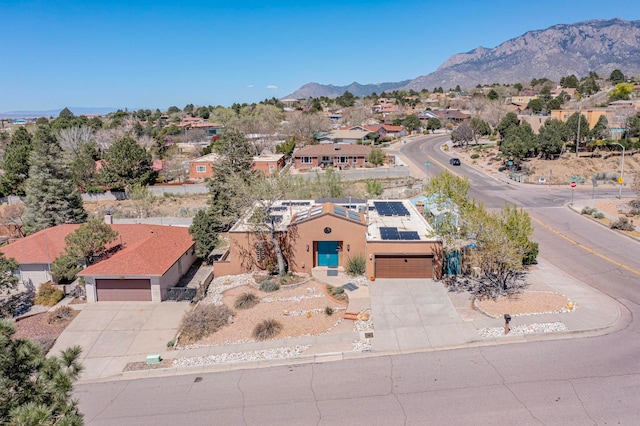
(413, 222)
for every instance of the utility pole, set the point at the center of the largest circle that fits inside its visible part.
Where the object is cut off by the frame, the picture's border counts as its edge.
(579, 120)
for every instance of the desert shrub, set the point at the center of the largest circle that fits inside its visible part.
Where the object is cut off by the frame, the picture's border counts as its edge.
(531, 255)
(622, 224)
(634, 211)
(246, 301)
(356, 265)
(267, 329)
(475, 156)
(598, 215)
(268, 285)
(204, 320)
(328, 310)
(288, 278)
(60, 315)
(48, 294)
(587, 210)
(96, 190)
(171, 344)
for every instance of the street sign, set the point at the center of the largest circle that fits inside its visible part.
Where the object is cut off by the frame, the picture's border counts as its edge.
(574, 179)
(573, 184)
(620, 180)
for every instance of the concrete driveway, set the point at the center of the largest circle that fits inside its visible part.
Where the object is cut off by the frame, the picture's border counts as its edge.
(113, 334)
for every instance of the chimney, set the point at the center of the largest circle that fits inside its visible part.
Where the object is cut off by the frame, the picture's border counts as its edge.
(108, 219)
(336, 146)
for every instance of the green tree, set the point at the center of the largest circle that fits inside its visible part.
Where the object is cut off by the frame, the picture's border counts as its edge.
(518, 87)
(65, 267)
(492, 95)
(236, 154)
(535, 105)
(329, 184)
(203, 112)
(433, 123)
(589, 85)
(15, 162)
(601, 128)
(374, 188)
(8, 281)
(126, 163)
(412, 122)
(621, 92)
(173, 109)
(51, 198)
(287, 147)
(376, 157)
(520, 142)
(89, 240)
(189, 108)
(480, 128)
(346, 99)
(551, 138)
(203, 230)
(617, 76)
(508, 121)
(572, 127)
(517, 224)
(34, 389)
(570, 81)
(82, 165)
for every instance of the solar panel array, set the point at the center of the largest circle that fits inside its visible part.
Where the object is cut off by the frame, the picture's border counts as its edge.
(346, 213)
(391, 208)
(296, 203)
(390, 234)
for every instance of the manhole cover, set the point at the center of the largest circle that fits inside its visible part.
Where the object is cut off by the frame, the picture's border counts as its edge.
(368, 335)
(332, 273)
(350, 286)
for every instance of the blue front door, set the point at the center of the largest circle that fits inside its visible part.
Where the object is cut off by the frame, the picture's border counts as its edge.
(327, 253)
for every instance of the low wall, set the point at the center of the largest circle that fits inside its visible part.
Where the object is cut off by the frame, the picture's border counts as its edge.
(365, 173)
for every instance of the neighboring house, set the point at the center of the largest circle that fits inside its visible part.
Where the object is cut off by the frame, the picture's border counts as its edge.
(268, 164)
(591, 114)
(393, 237)
(203, 167)
(454, 116)
(336, 155)
(385, 130)
(147, 260)
(343, 136)
(523, 100)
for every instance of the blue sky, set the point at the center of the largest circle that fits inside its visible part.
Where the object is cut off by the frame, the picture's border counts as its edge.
(153, 54)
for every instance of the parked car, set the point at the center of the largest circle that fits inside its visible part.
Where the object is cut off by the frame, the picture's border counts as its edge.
(454, 161)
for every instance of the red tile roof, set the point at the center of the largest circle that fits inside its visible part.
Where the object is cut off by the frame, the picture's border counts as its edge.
(147, 249)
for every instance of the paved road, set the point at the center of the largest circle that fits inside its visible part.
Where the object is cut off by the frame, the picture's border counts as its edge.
(594, 380)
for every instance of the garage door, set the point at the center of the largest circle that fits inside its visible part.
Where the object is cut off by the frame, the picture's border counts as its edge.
(401, 266)
(123, 290)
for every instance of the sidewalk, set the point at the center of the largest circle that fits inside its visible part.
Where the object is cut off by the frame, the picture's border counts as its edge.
(409, 315)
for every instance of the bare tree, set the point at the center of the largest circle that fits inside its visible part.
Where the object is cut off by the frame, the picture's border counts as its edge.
(72, 138)
(303, 126)
(354, 116)
(105, 137)
(11, 217)
(494, 112)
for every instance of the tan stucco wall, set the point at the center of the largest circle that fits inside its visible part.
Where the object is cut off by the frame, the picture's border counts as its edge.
(173, 275)
(35, 273)
(394, 247)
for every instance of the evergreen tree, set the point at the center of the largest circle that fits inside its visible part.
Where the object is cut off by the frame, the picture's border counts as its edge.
(127, 163)
(51, 198)
(236, 155)
(551, 137)
(34, 389)
(15, 162)
(203, 231)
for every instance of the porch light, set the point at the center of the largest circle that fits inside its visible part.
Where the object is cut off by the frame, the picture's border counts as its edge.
(307, 247)
(348, 247)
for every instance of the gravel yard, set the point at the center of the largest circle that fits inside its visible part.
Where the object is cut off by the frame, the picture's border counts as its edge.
(300, 310)
(37, 328)
(525, 303)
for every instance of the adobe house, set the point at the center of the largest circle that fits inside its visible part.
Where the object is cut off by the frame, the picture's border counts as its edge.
(146, 261)
(202, 167)
(268, 164)
(335, 155)
(393, 237)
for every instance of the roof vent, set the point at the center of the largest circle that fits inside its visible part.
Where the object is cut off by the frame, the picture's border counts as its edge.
(336, 146)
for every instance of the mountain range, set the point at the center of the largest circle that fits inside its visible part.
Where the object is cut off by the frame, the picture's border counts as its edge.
(56, 112)
(555, 52)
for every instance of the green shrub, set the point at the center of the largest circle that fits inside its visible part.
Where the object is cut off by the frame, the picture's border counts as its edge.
(475, 156)
(531, 256)
(96, 190)
(48, 294)
(622, 224)
(587, 210)
(246, 301)
(338, 290)
(598, 215)
(204, 320)
(268, 285)
(60, 315)
(328, 310)
(356, 265)
(267, 329)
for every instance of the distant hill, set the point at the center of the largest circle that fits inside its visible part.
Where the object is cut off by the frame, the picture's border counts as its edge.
(555, 52)
(316, 90)
(56, 112)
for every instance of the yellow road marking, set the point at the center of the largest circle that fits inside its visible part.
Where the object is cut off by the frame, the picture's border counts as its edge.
(582, 246)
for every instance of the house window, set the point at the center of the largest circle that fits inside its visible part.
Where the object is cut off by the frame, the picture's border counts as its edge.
(326, 159)
(343, 160)
(305, 160)
(354, 160)
(201, 169)
(260, 251)
(272, 168)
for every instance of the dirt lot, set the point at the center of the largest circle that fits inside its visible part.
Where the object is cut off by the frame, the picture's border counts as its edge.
(166, 206)
(525, 303)
(558, 171)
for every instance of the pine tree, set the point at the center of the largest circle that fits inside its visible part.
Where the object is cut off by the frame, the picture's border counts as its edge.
(203, 231)
(51, 198)
(15, 163)
(35, 389)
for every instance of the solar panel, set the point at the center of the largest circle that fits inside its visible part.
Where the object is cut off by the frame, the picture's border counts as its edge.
(389, 233)
(391, 208)
(354, 215)
(340, 211)
(409, 235)
(275, 217)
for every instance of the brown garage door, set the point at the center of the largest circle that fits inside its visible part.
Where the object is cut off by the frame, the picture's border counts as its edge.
(401, 266)
(123, 290)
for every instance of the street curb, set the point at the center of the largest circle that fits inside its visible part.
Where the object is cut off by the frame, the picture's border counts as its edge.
(593, 219)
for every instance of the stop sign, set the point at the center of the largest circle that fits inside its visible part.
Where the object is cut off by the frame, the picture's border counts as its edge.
(573, 184)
